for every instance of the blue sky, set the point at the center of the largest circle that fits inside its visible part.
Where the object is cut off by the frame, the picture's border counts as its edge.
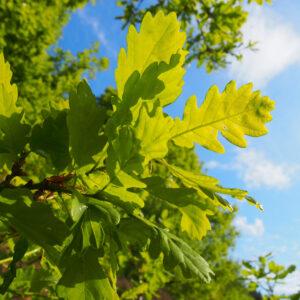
(270, 167)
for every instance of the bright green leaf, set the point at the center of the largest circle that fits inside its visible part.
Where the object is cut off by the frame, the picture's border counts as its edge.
(133, 293)
(76, 208)
(178, 196)
(177, 252)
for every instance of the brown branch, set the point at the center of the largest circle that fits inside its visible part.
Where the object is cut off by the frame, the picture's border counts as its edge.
(16, 170)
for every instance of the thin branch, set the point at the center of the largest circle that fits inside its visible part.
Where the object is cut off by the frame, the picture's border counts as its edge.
(27, 254)
(16, 170)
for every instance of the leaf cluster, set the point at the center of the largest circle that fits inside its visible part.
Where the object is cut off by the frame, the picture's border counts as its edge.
(29, 33)
(264, 275)
(88, 203)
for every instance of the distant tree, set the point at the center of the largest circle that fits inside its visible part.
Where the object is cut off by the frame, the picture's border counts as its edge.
(295, 296)
(214, 27)
(29, 32)
(264, 275)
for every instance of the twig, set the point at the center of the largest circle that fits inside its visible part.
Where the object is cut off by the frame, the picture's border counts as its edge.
(27, 254)
(16, 169)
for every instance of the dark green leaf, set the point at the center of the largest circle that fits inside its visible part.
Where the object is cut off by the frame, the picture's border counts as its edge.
(85, 120)
(51, 139)
(19, 251)
(35, 220)
(15, 137)
(84, 279)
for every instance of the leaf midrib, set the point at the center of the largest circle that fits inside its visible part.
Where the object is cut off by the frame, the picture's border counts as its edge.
(208, 124)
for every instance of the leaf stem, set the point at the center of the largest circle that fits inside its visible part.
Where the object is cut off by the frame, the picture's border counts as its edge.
(27, 254)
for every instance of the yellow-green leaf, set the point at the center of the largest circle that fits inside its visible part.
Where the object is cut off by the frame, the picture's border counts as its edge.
(13, 133)
(159, 38)
(194, 221)
(121, 194)
(8, 91)
(234, 112)
(205, 185)
(153, 132)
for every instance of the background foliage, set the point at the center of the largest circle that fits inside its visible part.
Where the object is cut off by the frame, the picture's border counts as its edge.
(29, 32)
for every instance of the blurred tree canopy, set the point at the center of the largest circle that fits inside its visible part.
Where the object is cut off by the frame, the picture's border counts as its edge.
(213, 27)
(264, 275)
(29, 32)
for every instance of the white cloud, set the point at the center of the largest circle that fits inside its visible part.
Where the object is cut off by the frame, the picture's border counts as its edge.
(278, 48)
(257, 170)
(256, 229)
(95, 26)
(291, 284)
(213, 164)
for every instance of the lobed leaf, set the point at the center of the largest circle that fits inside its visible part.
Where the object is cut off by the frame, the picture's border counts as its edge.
(194, 211)
(179, 253)
(51, 139)
(111, 161)
(159, 38)
(85, 120)
(206, 186)
(235, 113)
(119, 194)
(8, 91)
(34, 220)
(194, 221)
(153, 132)
(84, 279)
(13, 134)
(92, 230)
(123, 153)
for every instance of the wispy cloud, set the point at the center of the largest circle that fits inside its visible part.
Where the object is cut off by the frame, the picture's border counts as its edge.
(95, 26)
(255, 229)
(258, 171)
(291, 284)
(278, 48)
